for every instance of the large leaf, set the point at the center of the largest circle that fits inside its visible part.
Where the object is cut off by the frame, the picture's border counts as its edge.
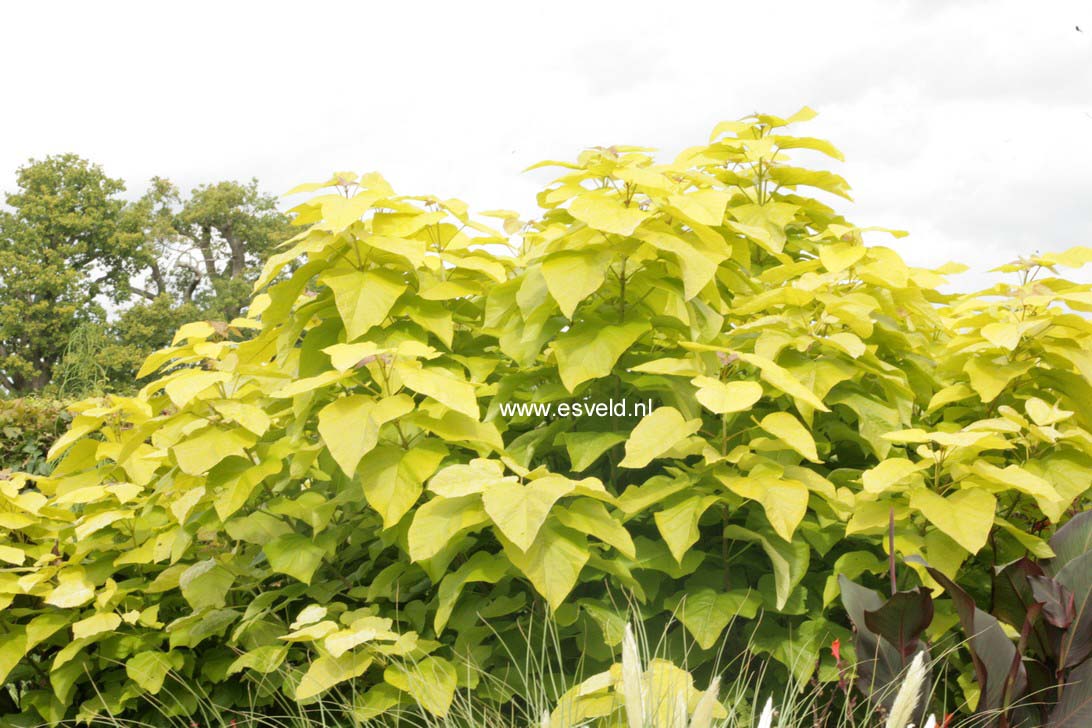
(573, 275)
(655, 434)
(966, 516)
(1074, 710)
(678, 524)
(589, 351)
(294, 555)
(520, 510)
(553, 562)
(430, 683)
(882, 660)
(364, 298)
(789, 559)
(441, 519)
(706, 613)
(393, 478)
(902, 619)
(992, 652)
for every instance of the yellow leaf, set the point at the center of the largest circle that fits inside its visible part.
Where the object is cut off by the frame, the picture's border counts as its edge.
(679, 524)
(348, 430)
(703, 206)
(590, 351)
(604, 212)
(364, 298)
(788, 430)
(655, 434)
(519, 511)
(784, 500)
(441, 385)
(573, 275)
(836, 257)
(889, 473)
(553, 562)
(95, 625)
(780, 377)
(198, 454)
(966, 516)
(724, 397)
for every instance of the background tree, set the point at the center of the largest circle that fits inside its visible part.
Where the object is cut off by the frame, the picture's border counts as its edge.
(75, 257)
(204, 249)
(59, 253)
(192, 257)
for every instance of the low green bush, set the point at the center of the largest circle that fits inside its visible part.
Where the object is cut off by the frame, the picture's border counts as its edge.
(28, 427)
(323, 497)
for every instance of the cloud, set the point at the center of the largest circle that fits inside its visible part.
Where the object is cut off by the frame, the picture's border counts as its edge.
(967, 124)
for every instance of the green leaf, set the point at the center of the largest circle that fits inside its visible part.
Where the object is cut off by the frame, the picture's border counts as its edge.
(441, 385)
(72, 590)
(206, 584)
(780, 377)
(440, 520)
(553, 562)
(591, 517)
(294, 555)
(392, 478)
(12, 650)
(789, 560)
(198, 454)
(148, 669)
(890, 473)
(785, 501)
(655, 434)
(326, 671)
(95, 625)
(706, 613)
(480, 567)
(348, 430)
(264, 660)
(679, 524)
(584, 448)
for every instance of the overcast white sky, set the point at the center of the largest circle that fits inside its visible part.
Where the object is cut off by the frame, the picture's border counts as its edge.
(968, 124)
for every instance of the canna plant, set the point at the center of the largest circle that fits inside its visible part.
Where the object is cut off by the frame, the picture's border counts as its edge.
(1043, 678)
(333, 492)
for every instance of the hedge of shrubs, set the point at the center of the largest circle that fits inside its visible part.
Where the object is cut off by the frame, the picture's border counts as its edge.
(322, 500)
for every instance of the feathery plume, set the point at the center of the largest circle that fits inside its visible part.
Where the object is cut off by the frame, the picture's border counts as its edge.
(902, 711)
(766, 721)
(631, 680)
(703, 712)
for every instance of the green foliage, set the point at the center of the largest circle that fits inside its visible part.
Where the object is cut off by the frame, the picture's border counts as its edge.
(58, 254)
(324, 492)
(70, 244)
(28, 427)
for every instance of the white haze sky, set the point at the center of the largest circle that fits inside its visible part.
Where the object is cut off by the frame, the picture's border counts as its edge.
(968, 124)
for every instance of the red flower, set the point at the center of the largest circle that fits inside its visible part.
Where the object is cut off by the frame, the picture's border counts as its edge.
(836, 650)
(947, 720)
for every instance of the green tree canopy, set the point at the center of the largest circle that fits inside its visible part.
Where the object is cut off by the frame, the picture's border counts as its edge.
(58, 254)
(71, 247)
